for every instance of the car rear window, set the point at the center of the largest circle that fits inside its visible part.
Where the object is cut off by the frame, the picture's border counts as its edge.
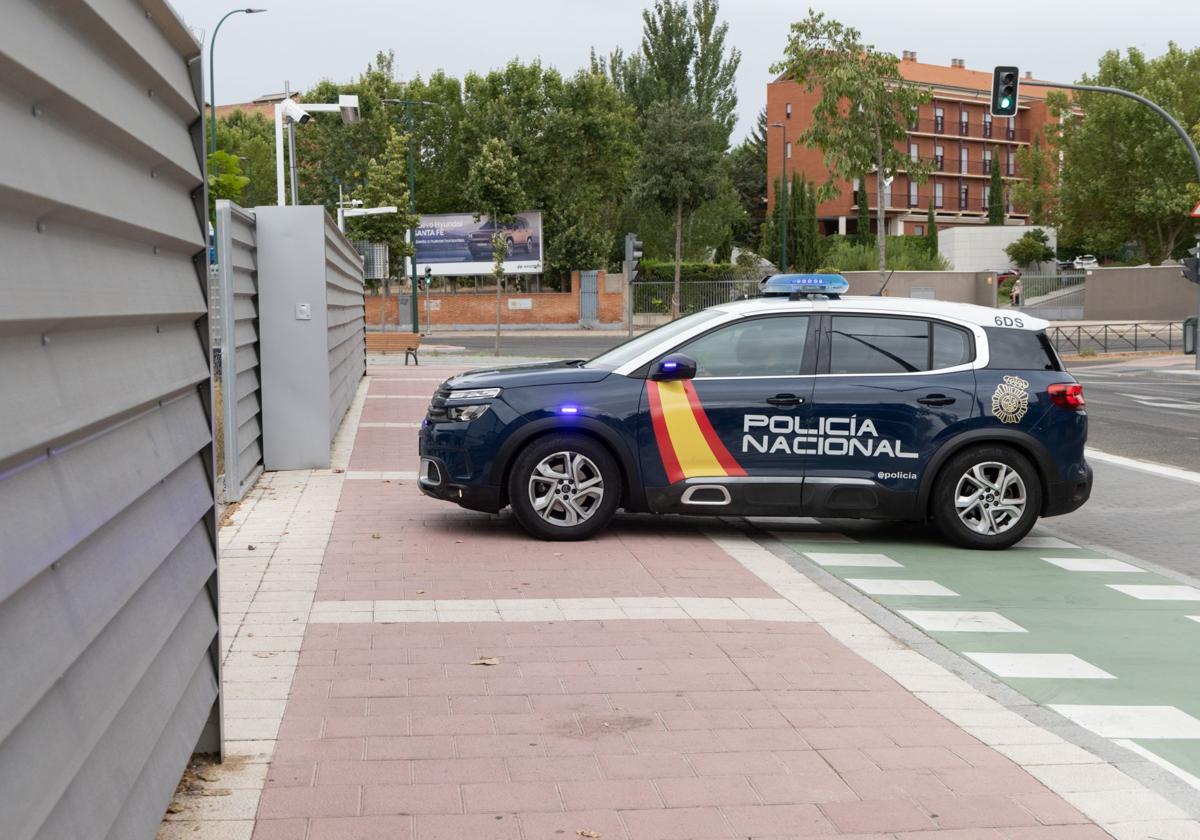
(1011, 349)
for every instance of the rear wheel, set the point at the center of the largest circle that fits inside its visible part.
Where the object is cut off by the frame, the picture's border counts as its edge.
(987, 497)
(564, 487)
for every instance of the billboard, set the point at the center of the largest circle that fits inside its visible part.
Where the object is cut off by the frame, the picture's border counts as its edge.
(456, 244)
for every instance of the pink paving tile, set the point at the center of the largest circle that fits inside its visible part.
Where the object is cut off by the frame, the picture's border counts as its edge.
(361, 828)
(340, 772)
(676, 824)
(289, 829)
(550, 826)
(717, 790)
(459, 770)
(554, 769)
(776, 820)
(461, 826)
(878, 815)
(802, 788)
(324, 801)
(648, 766)
(489, 797)
(412, 799)
(621, 795)
(950, 811)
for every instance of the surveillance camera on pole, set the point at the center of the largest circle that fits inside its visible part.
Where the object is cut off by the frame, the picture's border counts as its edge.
(294, 113)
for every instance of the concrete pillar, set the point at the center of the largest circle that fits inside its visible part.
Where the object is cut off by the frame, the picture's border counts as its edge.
(841, 225)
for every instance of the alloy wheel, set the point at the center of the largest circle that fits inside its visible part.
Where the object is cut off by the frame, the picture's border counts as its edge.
(990, 498)
(566, 488)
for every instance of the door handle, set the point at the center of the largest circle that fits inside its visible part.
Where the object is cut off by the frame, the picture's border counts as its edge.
(785, 399)
(935, 399)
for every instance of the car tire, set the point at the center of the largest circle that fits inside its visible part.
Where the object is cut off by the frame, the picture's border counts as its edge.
(553, 486)
(986, 497)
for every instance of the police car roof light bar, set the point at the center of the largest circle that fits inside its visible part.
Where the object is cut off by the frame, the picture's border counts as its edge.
(799, 286)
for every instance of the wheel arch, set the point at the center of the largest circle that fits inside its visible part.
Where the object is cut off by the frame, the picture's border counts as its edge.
(632, 495)
(1026, 444)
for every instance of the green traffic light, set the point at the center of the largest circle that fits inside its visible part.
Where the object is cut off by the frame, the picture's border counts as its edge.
(1005, 102)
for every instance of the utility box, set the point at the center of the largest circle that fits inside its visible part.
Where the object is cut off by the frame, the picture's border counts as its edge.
(312, 341)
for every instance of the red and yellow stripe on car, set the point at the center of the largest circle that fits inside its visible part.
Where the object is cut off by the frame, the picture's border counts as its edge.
(687, 442)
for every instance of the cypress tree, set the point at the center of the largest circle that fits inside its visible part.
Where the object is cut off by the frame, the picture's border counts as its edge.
(931, 231)
(863, 236)
(995, 214)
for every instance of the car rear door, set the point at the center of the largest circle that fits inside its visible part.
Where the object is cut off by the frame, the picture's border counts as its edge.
(889, 391)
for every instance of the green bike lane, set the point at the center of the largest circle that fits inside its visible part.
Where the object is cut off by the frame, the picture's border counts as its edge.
(1043, 617)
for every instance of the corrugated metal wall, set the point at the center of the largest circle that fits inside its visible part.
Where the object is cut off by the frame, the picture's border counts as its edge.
(347, 332)
(108, 600)
(240, 380)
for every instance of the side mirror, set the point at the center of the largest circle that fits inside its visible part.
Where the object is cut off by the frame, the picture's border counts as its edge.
(673, 367)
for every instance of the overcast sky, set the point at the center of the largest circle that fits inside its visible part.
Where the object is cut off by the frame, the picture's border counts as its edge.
(308, 40)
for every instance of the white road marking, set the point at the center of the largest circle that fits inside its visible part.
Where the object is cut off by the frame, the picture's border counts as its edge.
(881, 561)
(1044, 542)
(1049, 666)
(956, 621)
(887, 586)
(1163, 592)
(1143, 466)
(1148, 722)
(1159, 760)
(1161, 402)
(1084, 564)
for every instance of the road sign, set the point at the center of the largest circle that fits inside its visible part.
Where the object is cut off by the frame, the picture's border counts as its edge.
(1196, 211)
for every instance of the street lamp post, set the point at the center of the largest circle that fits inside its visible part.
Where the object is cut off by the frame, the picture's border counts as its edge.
(212, 95)
(784, 238)
(412, 201)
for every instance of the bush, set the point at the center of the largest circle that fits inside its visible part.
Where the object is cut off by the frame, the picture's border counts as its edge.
(664, 272)
(904, 253)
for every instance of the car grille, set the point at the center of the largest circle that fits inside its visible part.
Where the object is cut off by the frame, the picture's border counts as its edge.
(437, 408)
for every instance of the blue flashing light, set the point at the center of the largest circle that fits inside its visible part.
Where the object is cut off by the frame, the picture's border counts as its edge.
(806, 284)
(670, 365)
(568, 409)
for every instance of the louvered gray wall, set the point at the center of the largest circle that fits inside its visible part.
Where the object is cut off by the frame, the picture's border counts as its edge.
(237, 253)
(345, 322)
(109, 670)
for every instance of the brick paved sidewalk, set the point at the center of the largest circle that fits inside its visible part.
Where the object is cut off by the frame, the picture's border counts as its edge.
(455, 679)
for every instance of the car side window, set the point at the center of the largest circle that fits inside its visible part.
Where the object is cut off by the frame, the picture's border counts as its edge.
(753, 347)
(951, 346)
(878, 344)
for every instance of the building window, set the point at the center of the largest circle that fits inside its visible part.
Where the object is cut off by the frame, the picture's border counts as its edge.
(1012, 129)
(939, 120)
(914, 152)
(1010, 165)
(939, 157)
(987, 161)
(964, 197)
(964, 122)
(987, 123)
(912, 194)
(962, 160)
(919, 230)
(788, 110)
(938, 195)
(788, 154)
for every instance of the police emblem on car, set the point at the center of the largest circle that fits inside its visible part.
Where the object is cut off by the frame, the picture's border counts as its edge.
(802, 401)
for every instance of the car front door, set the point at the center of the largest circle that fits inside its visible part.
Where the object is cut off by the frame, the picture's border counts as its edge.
(723, 439)
(890, 390)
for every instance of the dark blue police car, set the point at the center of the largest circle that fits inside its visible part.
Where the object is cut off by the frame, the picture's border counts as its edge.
(800, 402)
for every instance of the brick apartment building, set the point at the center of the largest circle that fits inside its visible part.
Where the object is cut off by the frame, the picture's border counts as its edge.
(954, 132)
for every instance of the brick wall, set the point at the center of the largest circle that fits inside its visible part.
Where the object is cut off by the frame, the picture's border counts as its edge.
(551, 309)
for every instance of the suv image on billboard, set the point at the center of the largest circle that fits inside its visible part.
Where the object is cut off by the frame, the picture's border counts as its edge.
(518, 234)
(796, 403)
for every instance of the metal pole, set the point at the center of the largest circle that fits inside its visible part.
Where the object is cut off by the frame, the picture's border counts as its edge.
(1162, 112)
(212, 87)
(783, 253)
(412, 210)
(280, 193)
(291, 133)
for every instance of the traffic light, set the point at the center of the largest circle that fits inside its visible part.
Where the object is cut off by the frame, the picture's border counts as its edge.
(1190, 266)
(1005, 81)
(633, 255)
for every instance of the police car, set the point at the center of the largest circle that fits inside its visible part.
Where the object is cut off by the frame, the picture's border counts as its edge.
(800, 402)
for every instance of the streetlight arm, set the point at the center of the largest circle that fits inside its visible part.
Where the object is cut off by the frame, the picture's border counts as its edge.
(212, 94)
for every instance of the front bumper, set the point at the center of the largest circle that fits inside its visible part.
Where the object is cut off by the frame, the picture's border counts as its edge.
(432, 478)
(1066, 496)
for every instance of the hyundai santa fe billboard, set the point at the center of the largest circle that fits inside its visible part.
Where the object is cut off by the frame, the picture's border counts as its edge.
(456, 244)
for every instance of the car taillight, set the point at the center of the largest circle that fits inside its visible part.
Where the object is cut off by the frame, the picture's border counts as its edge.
(1068, 395)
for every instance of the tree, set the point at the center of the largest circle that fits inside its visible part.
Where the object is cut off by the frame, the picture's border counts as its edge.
(1126, 177)
(862, 234)
(748, 170)
(251, 138)
(680, 168)
(1033, 248)
(494, 190)
(1036, 191)
(387, 186)
(864, 109)
(225, 180)
(995, 208)
(931, 231)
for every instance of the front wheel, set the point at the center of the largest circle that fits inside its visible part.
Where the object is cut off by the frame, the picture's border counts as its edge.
(986, 497)
(564, 487)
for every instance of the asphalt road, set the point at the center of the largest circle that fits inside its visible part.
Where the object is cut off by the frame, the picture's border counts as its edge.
(582, 346)
(1147, 409)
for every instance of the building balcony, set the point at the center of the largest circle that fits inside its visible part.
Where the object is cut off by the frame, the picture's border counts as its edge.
(978, 130)
(974, 203)
(948, 165)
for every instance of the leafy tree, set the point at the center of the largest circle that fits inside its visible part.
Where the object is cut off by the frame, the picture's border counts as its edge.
(680, 168)
(1033, 248)
(995, 208)
(386, 186)
(251, 138)
(748, 170)
(864, 109)
(931, 231)
(494, 190)
(1126, 176)
(1037, 191)
(225, 180)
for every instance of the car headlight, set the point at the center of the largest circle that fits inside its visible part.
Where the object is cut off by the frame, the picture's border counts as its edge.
(464, 413)
(474, 394)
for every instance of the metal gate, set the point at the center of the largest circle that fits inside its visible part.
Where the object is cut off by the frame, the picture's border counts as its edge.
(589, 297)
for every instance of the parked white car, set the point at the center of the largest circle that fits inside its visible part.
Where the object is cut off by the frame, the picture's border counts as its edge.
(1087, 261)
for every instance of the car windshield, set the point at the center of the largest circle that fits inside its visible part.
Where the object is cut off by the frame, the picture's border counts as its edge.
(634, 347)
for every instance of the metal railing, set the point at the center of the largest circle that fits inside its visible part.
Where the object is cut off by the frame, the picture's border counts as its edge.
(653, 298)
(972, 128)
(1140, 336)
(952, 165)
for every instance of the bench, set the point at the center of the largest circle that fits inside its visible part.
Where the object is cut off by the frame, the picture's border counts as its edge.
(395, 342)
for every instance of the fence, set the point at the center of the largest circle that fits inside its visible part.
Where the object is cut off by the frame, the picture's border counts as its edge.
(1117, 338)
(108, 585)
(241, 381)
(1055, 297)
(651, 301)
